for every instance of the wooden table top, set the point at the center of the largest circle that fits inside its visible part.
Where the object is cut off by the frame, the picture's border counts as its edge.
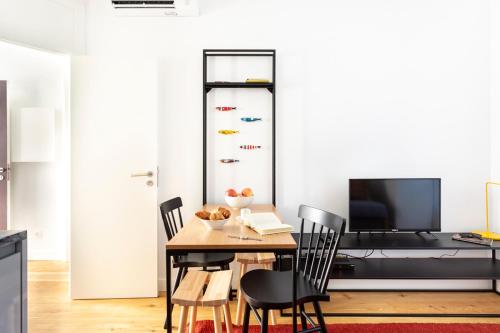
(196, 236)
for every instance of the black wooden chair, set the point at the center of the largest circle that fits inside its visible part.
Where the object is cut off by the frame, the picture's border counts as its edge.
(270, 290)
(183, 262)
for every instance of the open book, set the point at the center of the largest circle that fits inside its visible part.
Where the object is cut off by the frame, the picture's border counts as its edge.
(266, 224)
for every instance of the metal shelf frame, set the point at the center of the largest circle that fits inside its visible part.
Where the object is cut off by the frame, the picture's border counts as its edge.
(208, 86)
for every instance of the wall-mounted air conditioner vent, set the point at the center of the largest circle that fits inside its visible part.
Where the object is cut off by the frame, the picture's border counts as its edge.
(156, 7)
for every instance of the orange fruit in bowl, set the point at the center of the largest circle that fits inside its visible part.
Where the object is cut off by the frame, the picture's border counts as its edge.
(231, 193)
(247, 192)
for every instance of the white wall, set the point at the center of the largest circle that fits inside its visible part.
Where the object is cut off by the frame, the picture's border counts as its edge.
(495, 113)
(39, 191)
(57, 25)
(364, 89)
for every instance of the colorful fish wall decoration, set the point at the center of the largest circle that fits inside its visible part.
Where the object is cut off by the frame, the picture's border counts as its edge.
(228, 132)
(225, 108)
(250, 120)
(250, 147)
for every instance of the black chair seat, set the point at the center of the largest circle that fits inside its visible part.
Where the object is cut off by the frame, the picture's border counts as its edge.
(204, 259)
(266, 289)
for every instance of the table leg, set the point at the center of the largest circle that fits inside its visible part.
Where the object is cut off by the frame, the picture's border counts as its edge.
(294, 295)
(494, 281)
(168, 282)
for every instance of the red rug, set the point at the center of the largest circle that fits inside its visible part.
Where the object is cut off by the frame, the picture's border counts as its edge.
(206, 326)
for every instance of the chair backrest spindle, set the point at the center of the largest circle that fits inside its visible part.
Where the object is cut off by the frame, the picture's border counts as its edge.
(319, 257)
(180, 217)
(308, 248)
(167, 210)
(314, 261)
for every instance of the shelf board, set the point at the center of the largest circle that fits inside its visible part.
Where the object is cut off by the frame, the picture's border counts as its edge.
(409, 241)
(404, 241)
(422, 268)
(210, 85)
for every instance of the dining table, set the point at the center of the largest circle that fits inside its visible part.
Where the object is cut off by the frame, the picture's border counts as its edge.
(195, 237)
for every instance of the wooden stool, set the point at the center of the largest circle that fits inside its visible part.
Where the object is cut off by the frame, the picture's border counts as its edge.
(245, 259)
(190, 294)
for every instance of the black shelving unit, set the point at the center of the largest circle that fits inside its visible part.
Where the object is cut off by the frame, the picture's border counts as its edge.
(208, 86)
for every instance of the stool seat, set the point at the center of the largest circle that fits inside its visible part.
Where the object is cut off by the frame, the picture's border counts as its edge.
(217, 292)
(192, 293)
(191, 287)
(255, 258)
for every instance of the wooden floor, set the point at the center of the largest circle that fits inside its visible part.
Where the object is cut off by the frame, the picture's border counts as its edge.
(51, 310)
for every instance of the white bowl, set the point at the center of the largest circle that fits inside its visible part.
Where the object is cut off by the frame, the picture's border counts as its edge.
(238, 202)
(214, 224)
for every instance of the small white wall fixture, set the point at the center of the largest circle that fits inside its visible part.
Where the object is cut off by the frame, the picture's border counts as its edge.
(33, 135)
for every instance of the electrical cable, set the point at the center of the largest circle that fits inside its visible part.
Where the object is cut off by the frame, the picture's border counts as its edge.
(446, 255)
(382, 253)
(440, 257)
(366, 255)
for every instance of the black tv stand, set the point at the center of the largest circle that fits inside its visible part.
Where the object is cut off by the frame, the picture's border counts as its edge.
(407, 268)
(370, 233)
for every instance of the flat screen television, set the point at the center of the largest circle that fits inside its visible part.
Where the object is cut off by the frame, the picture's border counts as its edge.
(410, 204)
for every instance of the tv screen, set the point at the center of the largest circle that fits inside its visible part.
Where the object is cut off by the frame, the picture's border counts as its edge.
(395, 204)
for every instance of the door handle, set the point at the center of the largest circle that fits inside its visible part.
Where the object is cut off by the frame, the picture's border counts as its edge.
(142, 174)
(4, 173)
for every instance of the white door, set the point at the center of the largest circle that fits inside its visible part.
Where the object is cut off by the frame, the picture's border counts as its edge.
(114, 216)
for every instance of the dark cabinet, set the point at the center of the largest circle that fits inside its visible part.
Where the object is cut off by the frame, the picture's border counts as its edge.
(13, 282)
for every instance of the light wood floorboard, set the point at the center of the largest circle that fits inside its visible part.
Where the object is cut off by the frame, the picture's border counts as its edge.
(51, 309)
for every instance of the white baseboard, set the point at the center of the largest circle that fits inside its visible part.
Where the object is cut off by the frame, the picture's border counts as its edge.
(410, 284)
(392, 284)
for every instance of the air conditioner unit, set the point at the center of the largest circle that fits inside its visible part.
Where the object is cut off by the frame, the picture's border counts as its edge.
(156, 7)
